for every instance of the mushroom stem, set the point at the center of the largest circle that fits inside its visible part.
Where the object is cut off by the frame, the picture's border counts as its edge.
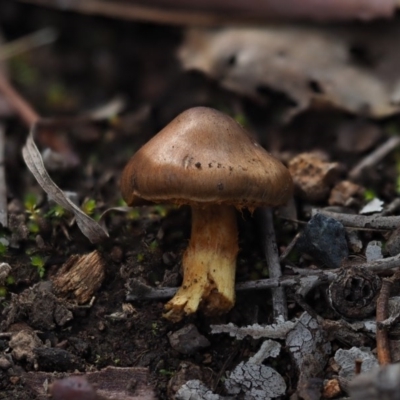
(209, 264)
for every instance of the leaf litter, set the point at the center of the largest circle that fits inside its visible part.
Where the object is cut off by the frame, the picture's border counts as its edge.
(256, 61)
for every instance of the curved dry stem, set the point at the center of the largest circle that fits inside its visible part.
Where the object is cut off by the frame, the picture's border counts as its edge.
(209, 264)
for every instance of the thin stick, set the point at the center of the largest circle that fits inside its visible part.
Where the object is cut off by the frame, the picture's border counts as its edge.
(375, 157)
(289, 247)
(3, 187)
(362, 221)
(229, 12)
(21, 106)
(30, 117)
(26, 43)
(279, 304)
(139, 291)
(306, 278)
(382, 313)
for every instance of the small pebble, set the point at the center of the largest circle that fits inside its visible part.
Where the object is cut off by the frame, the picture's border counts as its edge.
(373, 251)
(188, 340)
(4, 363)
(324, 239)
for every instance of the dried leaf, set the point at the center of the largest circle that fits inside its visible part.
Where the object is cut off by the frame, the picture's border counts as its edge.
(89, 227)
(256, 382)
(308, 338)
(196, 390)
(347, 359)
(308, 66)
(251, 379)
(374, 206)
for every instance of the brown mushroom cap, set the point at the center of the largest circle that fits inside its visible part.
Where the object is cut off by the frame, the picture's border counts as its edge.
(201, 157)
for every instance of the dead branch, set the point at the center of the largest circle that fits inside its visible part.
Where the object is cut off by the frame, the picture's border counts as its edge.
(375, 157)
(362, 221)
(306, 279)
(272, 256)
(382, 313)
(21, 106)
(289, 247)
(26, 43)
(210, 13)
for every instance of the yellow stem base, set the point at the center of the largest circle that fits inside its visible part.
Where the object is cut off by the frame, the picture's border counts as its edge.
(209, 265)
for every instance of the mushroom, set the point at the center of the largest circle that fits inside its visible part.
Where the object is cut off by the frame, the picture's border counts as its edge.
(205, 159)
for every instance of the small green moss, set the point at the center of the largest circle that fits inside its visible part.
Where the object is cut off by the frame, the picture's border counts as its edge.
(89, 206)
(10, 280)
(153, 246)
(3, 291)
(3, 249)
(30, 203)
(161, 210)
(56, 212)
(369, 195)
(134, 214)
(140, 257)
(33, 227)
(38, 262)
(166, 372)
(241, 119)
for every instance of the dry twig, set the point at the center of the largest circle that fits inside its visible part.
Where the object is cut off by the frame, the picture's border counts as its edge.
(362, 221)
(3, 187)
(21, 106)
(382, 313)
(306, 279)
(375, 157)
(272, 256)
(216, 12)
(26, 43)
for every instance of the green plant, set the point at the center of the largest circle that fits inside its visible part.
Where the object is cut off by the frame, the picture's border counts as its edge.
(38, 262)
(10, 280)
(166, 372)
(89, 206)
(161, 210)
(153, 246)
(31, 208)
(369, 195)
(3, 249)
(55, 212)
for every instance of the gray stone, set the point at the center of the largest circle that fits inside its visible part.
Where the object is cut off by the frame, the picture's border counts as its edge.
(324, 239)
(188, 340)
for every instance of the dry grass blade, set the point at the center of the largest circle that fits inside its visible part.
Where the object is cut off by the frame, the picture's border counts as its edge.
(89, 227)
(26, 43)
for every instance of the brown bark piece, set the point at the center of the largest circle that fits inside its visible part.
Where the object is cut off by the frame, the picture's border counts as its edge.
(80, 277)
(313, 176)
